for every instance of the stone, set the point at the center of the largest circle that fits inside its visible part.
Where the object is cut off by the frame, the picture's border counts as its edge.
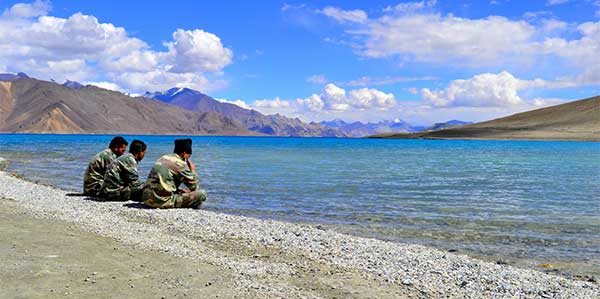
(3, 164)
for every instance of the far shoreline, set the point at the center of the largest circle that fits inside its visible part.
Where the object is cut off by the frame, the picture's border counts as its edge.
(371, 137)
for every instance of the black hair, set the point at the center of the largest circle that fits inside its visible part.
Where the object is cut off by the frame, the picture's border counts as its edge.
(137, 146)
(183, 146)
(117, 142)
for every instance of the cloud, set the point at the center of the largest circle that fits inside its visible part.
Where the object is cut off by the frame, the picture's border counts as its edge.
(317, 79)
(313, 103)
(136, 61)
(365, 98)
(275, 103)
(80, 47)
(493, 42)
(76, 68)
(239, 103)
(556, 2)
(370, 81)
(335, 98)
(419, 113)
(410, 7)
(482, 97)
(485, 90)
(26, 10)
(332, 99)
(163, 80)
(198, 51)
(531, 15)
(287, 6)
(580, 53)
(345, 16)
(106, 85)
(448, 39)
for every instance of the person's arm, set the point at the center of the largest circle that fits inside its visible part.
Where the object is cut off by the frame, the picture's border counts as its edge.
(189, 177)
(131, 173)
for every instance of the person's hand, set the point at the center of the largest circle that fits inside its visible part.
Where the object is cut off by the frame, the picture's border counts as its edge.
(191, 165)
(184, 191)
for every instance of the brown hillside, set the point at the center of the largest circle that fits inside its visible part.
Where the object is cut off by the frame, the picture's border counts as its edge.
(30, 105)
(577, 120)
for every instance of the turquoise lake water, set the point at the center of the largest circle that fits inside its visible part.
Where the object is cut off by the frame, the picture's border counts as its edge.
(521, 201)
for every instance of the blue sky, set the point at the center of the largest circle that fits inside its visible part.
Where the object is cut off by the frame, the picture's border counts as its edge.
(420, 61)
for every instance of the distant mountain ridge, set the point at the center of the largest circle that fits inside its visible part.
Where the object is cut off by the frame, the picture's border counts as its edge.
(447, 125)
(360, 129)
(12, 77)
(29, 105)
(276, 125)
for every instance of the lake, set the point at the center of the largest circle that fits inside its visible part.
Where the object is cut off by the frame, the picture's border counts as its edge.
(522, 202)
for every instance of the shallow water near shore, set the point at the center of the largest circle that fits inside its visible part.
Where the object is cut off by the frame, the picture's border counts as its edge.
(522, 201)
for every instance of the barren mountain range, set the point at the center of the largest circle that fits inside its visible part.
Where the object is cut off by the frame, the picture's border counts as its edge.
(29, 105)
(253, 120)
(33, 106)
(576, 120)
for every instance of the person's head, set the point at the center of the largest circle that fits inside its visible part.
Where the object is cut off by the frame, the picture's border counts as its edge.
(183, 147)
(138, 149)
(118, 145)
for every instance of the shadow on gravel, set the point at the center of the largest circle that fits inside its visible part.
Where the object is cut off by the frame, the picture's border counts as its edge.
(137, 205)
(75, 195)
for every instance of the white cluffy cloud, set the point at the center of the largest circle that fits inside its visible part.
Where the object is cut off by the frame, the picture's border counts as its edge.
(410, 7)
(198, 51)
(343, 16)
(413, 32)
(239, 103)
(482, 97)
(27, 10)
(556, 2)
(334, 98)
(317, 79)
(80, 47)
(276, 103)
(485, 90)
(106, 85)
(437, 39)
(331, 100)
(371, 81)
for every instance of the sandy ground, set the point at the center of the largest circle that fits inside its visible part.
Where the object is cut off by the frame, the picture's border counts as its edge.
(45, 258)
(51, 259)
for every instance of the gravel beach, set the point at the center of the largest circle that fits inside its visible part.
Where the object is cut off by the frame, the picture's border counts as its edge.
(271, 259)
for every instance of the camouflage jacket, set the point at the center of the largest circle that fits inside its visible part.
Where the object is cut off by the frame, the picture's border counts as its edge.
(165, 177)
(94, 174)
(121, 173)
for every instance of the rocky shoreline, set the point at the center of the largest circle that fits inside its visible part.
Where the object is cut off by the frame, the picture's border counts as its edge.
(272, 259)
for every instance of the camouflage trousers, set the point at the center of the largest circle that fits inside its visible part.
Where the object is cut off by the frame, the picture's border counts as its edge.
(128, 193)
(184, 200)
(93, 190)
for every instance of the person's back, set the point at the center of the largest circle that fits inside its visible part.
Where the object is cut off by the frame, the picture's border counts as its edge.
(121, 181)
(94, 173)
(167, 174)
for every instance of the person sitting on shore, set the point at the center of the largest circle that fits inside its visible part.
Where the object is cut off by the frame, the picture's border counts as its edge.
(94, 173)
(121, 181)
(162, 187)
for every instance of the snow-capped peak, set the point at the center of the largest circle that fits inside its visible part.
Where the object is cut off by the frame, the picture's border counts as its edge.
(178, 91)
